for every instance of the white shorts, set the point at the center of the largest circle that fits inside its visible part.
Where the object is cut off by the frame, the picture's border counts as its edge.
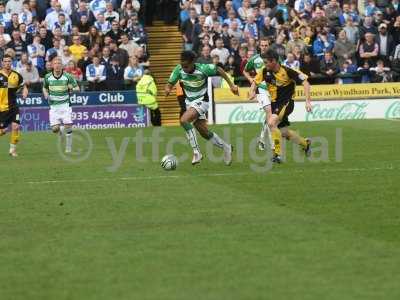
(200, 106)
(60, 114)
(263, 98)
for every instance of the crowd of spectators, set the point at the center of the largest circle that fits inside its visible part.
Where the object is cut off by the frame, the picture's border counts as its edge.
(332, 41)
(101, 42)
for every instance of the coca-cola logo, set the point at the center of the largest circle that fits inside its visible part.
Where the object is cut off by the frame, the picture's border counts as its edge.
(347, 111)
(393, 110)
(242, 115)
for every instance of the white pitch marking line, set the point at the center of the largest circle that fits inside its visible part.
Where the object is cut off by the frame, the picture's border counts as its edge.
(201, 175)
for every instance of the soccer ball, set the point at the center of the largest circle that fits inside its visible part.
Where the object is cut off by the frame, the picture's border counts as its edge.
(169, 162)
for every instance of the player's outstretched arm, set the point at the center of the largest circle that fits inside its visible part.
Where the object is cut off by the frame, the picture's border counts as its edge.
(233, 87)
(307, 93)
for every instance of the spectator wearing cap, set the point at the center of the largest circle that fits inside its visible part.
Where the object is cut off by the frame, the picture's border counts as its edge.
(329, 67)
(25, 16)
(251, 28)
(220, 51)
(187, 29)
(385, 42)
(83, 11)
(369, 50)
(115, 75)
(352, 31)
(31, 77)
(77, 49)
(267, 31)
(64, 24)
(96, 75)
(245, 10)
(224, 35)
(205, 57)
(102, 24)
(232, 18)
(344, 49)
(111, 15)
(14, 6)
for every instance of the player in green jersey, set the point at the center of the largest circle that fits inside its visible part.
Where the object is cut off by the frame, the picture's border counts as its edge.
(194, 78)
(56, 89)
(251, 69)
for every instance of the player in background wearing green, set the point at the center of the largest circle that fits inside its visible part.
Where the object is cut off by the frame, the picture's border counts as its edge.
(251, 69)
(56, 89)
(194, 78)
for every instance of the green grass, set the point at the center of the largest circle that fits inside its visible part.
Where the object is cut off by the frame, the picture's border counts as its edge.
(327, 230)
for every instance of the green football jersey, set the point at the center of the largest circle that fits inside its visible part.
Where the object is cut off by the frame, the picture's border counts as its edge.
(58, 87)
(194, 84)
(256, 63)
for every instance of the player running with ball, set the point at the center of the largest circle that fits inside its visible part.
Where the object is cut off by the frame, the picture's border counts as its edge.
(56, 89)
(194, 79)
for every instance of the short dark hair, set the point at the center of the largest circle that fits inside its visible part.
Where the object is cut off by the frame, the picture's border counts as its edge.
(7, 56)
(270, 54)
(188, 56)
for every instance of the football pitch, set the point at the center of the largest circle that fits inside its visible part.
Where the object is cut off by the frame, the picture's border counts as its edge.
(107, 222)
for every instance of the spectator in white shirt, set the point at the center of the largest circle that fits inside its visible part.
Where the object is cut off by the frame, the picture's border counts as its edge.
(291, 62)
(5, 17)
(6, 36)
(14, 6)
(220, 51)
(129, 45)
(111, 15)
(102, 24)
(36, 51)
(66, 6)
(52, 17)
(66, 56)
(96, 75)
(25, 16)
(63, 24)
(31, 77)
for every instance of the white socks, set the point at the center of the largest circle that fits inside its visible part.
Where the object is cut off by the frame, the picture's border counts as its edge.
(218, 142)
(191, 136)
